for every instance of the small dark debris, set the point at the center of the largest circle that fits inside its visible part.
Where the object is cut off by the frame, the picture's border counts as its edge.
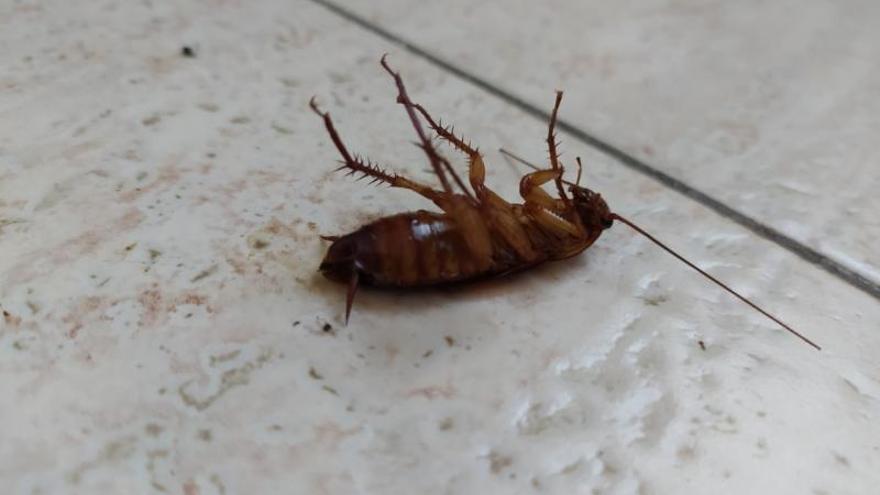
(260, 244)
(498, 462)
(314, 374)
(330, 389)
(427, 354)
(655, 300)
(296, 323)
(327, 328)
(10, 319)
(702, 344)
(449, 340)
(281, 130)
(841, 459)
(188, 52)
(130, 246)
(153, 429)
(151, 120)
(204, 273)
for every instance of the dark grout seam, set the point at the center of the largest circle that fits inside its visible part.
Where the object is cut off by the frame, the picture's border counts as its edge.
(804, 252)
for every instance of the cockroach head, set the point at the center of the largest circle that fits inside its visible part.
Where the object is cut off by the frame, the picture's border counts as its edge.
(591, 208)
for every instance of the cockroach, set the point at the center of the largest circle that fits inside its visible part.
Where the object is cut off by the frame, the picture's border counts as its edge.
(477, 234)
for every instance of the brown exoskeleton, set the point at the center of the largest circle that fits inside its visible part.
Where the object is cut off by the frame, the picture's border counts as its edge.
(478, 234)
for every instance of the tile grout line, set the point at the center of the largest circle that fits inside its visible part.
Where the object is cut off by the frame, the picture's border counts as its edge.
(804, 252)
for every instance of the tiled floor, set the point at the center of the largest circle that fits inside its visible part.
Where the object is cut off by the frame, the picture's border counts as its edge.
(774, 116)
(164, 329)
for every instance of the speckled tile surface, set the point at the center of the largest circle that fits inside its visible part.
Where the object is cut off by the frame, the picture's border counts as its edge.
(164, 330)
(771, 107)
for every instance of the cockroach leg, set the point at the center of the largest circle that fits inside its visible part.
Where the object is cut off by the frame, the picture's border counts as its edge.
(456, 142)
(552, 146)
(539, 204)
(531, 191)
(331, 238)
(357, 165)
(353, 164)
(550, 222)
(425, 143)
(476, 167)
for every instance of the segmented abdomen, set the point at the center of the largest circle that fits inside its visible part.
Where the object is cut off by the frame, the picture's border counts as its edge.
(410, 249)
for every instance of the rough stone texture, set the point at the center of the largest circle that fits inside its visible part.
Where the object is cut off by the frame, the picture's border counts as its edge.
(164, 329)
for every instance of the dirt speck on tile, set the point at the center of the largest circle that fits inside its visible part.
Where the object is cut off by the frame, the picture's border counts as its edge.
(498, 462)
(204, 273)
(151, 120)
(10, 319)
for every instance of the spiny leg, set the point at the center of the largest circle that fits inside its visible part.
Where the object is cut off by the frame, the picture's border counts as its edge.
(402, 98)
(356, 165)
(552, 145)
(476, 167)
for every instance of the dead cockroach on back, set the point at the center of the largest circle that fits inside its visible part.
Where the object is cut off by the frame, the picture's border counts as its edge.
(478, 234)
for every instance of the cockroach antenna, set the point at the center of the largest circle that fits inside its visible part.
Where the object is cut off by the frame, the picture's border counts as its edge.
(681, 258)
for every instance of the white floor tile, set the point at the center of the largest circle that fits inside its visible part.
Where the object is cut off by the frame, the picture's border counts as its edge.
(165, 329)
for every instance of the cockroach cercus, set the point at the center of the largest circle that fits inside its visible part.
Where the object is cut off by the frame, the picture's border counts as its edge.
(477, 234)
